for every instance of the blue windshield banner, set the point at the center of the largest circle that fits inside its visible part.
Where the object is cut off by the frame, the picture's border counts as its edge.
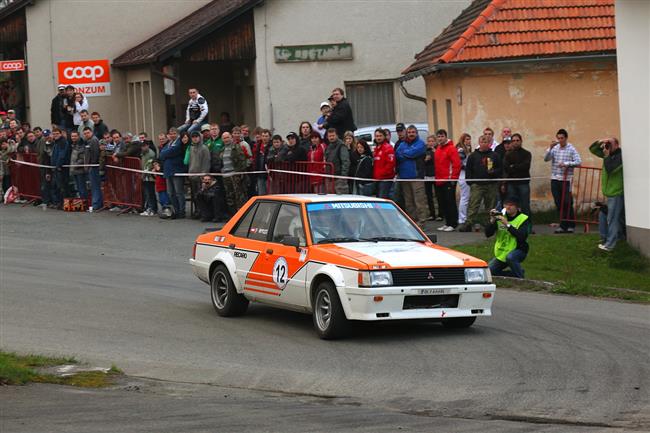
(315, 207)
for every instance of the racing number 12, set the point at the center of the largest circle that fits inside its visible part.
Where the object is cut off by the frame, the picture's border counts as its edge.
(281, 273)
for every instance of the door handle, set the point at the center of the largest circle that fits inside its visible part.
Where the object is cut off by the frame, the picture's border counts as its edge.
(269, 251)
(231, 246)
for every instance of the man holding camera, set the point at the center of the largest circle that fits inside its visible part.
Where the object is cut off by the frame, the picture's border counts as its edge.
(612, 217)
(510, 248)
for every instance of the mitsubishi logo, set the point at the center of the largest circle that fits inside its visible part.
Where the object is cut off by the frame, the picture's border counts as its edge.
(430, 277)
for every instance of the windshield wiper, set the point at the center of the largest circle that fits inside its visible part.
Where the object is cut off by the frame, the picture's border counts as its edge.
(341, 239)
(393, 239)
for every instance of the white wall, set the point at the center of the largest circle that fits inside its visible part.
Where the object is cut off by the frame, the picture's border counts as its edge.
(633, 53)
(385, 36)
(89, 30)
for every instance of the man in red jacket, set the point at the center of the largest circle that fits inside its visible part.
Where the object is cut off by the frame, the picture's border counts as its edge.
(383, 164)
(447, 163)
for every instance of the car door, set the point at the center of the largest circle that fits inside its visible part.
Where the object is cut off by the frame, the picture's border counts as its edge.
(287, 262)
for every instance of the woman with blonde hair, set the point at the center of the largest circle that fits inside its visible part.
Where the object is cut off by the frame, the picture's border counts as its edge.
(464, 146)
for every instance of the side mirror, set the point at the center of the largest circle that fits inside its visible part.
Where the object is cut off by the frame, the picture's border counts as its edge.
(291, 241)
(433, 237)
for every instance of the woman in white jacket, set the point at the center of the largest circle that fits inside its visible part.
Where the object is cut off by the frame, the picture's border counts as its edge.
(80, 103)
(464, 146)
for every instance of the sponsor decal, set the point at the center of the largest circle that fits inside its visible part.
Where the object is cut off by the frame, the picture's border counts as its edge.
(240, 255)
(90, 77)
(12, 65)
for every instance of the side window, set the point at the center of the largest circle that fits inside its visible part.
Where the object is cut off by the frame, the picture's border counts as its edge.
(259, 228)
(288, 223)
(241, 230)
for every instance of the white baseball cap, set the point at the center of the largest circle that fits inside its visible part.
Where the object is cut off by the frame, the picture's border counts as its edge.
(324, 104)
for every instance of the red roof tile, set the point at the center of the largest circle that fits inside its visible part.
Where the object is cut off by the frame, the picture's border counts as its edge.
(507, 29)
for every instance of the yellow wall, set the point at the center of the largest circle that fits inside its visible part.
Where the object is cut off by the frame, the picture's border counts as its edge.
(533, 100)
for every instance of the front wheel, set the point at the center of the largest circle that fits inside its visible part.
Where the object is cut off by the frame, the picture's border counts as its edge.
(458, 322)
(329, 318)
(225, 299)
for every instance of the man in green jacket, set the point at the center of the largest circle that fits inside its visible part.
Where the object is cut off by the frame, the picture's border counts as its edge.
(612, 218)
(511, 248)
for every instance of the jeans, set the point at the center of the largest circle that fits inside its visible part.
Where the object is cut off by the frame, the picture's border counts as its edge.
(149, 190)
(176, 191)
(383, 188)
(513, 261)
(557, 187)
(261, 185)
(367, 189)
(522, 192)
(163, 198)
(611, 224)
(428, 190)
(190, 128)
(46, 185)
(463, 203)
(80, 183)
(447, 196)
(62, 181)
(96, 188)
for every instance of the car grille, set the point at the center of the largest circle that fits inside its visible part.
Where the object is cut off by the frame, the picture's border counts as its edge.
(428, 277)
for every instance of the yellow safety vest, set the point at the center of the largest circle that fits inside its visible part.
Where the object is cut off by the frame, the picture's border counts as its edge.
(505, 241)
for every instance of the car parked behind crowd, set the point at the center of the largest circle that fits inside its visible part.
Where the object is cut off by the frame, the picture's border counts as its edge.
(367, 132)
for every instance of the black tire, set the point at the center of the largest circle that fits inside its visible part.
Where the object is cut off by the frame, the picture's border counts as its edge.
(458, 322)
(328, 315)
(225, 299)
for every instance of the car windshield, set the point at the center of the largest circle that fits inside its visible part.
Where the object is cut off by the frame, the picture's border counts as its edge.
(359, 221)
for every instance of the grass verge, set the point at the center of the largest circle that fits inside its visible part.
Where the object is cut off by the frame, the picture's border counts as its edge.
(574, 265)
(21, 369)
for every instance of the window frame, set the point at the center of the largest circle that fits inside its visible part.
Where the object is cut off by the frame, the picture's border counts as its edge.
(271, 222)
(302, 219)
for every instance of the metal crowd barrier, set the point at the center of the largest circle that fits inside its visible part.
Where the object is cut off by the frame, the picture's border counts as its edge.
(294, 183)
(26, 178)
(585, 190)
(123, 187)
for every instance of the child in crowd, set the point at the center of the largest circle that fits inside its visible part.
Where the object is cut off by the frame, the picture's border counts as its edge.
(161, 184)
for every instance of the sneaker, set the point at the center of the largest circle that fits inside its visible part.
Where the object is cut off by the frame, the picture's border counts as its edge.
(604, 248)
(439, 219)
(151, 212)
(449, 229)
(90, 210)
(442, 229)
(559, 230)
(115, 209)
(145, 213)
(570, 230)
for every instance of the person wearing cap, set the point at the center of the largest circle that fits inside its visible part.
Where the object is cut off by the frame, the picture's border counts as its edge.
(199, 163)
(44, 147)
(130, 147)
(94, 157)
(400, 130)
(511, 247)
(293, 152)
(148, 180)
(56, 107)
(319, 126)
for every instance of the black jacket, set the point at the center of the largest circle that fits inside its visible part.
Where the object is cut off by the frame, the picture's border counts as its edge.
(516, 164)
(56, 110)
(482, 165)
(430, 166)
(99, 130)
(293, 154)
(364, 168)
(341, 118)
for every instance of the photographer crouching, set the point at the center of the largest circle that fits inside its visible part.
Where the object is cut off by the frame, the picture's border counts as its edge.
(612, 216)
(510, 248)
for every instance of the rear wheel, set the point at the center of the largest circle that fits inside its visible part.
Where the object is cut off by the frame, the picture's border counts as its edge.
(458, 322)
(329, 318)
(225, 299)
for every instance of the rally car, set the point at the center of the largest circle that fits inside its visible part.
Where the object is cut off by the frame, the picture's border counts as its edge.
(339, 258)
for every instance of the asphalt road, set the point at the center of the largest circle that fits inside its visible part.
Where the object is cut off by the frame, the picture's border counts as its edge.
(119, 290)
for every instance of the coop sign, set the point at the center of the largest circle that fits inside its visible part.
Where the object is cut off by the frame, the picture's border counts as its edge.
(90, 77)
(313, 53)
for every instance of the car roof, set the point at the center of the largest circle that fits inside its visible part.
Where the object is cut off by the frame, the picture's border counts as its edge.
(320, 198)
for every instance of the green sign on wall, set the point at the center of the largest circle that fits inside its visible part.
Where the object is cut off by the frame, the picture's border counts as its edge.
(313, 53)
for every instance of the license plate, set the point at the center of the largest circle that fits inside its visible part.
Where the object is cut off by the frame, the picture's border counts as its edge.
(432, 291)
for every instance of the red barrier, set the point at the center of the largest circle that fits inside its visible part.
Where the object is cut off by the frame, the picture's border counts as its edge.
(123, 187)
(26, 178)
(295, 183)
(585, 192)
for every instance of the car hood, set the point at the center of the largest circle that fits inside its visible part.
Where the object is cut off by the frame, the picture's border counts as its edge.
(402, 254)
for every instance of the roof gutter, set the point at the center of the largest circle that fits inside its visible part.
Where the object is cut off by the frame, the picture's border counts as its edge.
(458, 65)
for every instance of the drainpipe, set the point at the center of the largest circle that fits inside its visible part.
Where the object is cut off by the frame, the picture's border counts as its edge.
(410, 95)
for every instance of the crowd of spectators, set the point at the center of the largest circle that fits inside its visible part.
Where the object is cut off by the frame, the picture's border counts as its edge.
(469, 174)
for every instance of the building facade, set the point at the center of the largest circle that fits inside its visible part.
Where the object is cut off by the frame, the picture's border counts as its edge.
(529, 66)
(267, 63)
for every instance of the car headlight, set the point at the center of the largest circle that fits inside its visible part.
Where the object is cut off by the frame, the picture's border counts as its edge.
(477, 275)
(375, 278)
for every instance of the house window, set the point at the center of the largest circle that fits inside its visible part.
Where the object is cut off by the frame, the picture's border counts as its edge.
(434, 114)
(450, 120)
(373, 103)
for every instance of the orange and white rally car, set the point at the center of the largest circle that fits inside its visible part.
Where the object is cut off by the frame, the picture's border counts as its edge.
(340, 258)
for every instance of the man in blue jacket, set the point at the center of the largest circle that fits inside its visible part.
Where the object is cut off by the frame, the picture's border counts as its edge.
(410, 165)
(60, 156)
(172, 156)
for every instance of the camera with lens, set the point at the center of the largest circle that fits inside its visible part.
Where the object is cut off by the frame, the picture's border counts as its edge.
(605, 145)
(494, 213)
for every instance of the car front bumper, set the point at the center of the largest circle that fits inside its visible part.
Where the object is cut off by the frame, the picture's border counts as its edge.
(388, 303)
